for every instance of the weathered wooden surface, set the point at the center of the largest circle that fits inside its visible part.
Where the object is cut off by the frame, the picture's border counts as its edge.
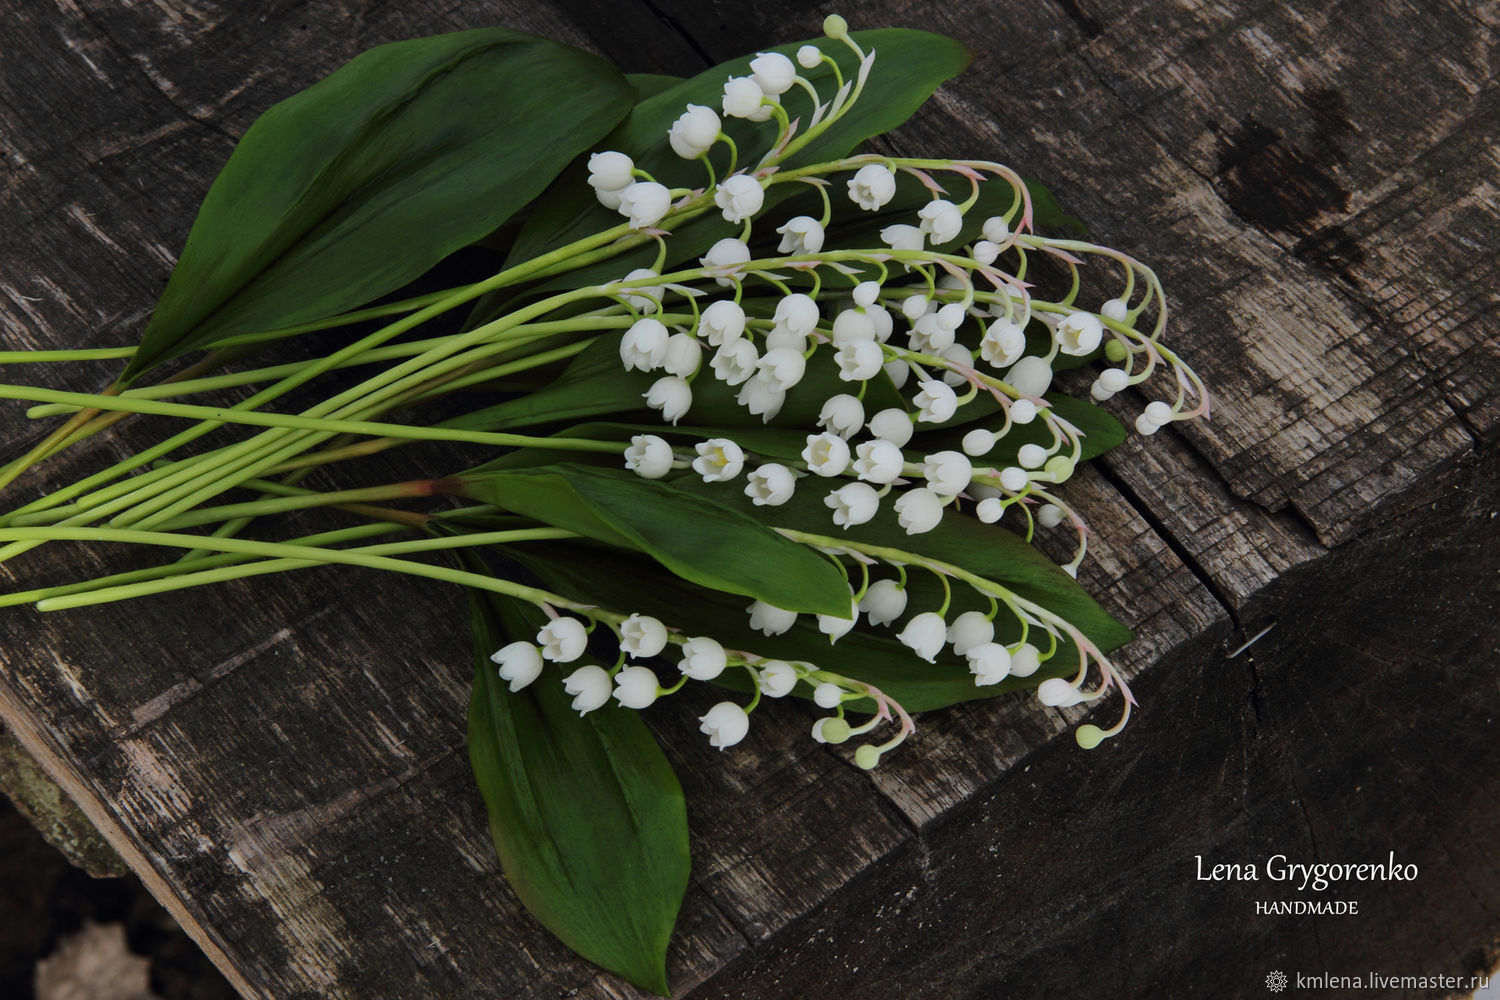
(1316, 187)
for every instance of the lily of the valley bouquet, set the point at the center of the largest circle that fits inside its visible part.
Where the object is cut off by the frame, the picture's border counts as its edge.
(751, 406)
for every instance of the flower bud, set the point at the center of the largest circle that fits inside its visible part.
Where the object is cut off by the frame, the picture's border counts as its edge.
(893, 425)
(683, 355)
(1049, 516)
(996, 229)
(872, 186)
(1115, 309)
(771, 485)
(842, 415)
(866, 293)
(941, 220)
(742, 97)
(827, 695)
(648, 456)
(694, 133)
(951, 316)
(1022, 411)
(644, 203)
(1025, 660)
(563, 639)
(914, 307)
(648, 298)
(1114, 379)
(1013, 479)
(808, 56)
(773, 71)
(925, 635)
(642, 635)
(610, 171)
(1058, 693)
(1145, 425)
(989, 510)
(903, 237)
(636, 687)
(735, 362)
(739, 197)
(947, 472)
(777, 678)
(978, 442)
(520, 663)
(918, 510)
(768, 620)
(898, 372)
(1031, 456)
(961, 359)
(1089, 736)
(884, 602)
(719, 460)
(970, 630)
(721, 322)
(826, 454)
(725, 724)
(859, 360)
(884, 324)
(1159, 413)
(853, 504)
(589, 687)
(671, 395)
(986, 252)
(867, 757)
(703, 659)
(835, 27)
(1031, 376)
(851, 325)
(1059, 467)
(935, 402)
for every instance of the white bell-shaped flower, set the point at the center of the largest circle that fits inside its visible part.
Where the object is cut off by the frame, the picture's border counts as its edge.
(646, 299)
(771, 485)
(520, 663)
(1025, 660)
(589, 686)
(610, 171)
(903, 237)
(719, 460)
(671, 395)
(853, 504)
(739, 197)
(742, 97)
(918, 510)
(773, 71)
(683, 355)
(642, 635)
(1079, 333)
(694, 133)
(1003, 343)
(928, 336)
(721, 322)
(703, 659)
(648, 456)
(723, 260)
(644, 203)
(878, 461)
(947, 472)
(768, 619)
(563, 639)
(636, 687)
(897, 371)
(781, 368)
(1058, 693)
(914, 307)
(725, 724)
(802, 234)
(970, 629)
(735, 362)
(776, 678)
(985, 252)
(836, 626)
(893, 425)
(859, 360)
(852, 324)
(941, 221)
(996, 229)
(842, 414)
(872, 186)
(935, 401)
(761, 398)
(826, 454)
(643, 347)
(989, 662)
(866, 293)
(925, 635)
(796, 314)
(884, 602)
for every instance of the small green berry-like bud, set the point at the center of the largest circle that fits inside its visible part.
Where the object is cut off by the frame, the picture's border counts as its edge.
(867, 756)
(835, 731)
(1089, 736)
(835, 27)
(1059, 467)
(1115, 351)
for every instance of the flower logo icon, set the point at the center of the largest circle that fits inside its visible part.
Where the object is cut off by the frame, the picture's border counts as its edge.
(1276, 981)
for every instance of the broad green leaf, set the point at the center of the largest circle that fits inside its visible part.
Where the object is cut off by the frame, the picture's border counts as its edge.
(909, 66)
(587, 817)
(357, 185)
(694, 536)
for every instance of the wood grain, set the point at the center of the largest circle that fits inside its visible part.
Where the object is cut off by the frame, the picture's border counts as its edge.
(283, 760)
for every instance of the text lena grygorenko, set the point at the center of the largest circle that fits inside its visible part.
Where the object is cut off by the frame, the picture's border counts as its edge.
(1317, 876)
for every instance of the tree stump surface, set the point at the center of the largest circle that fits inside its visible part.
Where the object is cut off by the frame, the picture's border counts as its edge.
(1316, 186)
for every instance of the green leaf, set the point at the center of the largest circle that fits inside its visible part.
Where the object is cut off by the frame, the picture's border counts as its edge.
(362, 182)
(587, 817)
(694, 536)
